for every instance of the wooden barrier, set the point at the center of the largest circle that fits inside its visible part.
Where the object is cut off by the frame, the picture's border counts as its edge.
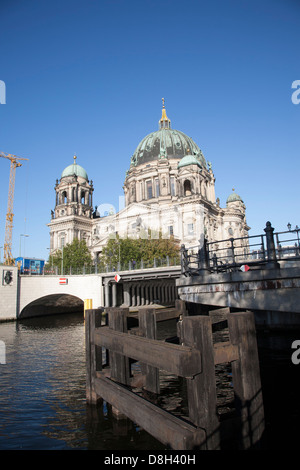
(194, 359)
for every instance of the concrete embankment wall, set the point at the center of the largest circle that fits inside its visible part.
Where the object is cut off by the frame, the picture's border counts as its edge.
(8, 293)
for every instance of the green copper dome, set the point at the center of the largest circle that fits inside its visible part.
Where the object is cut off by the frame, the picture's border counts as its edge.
(234, 197)
(166, 143)
(189, 160)
(74, 169)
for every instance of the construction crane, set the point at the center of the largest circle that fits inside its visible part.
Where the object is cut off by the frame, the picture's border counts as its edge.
(14, 163)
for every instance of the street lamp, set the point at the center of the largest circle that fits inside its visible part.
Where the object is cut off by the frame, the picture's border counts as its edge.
(62, 259)
(21, 235)
(289, 226)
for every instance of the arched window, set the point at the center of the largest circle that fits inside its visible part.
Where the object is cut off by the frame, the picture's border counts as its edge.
(187, 188)
(64, 197)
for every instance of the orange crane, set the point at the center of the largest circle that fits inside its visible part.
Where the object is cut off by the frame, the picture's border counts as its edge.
(14, 163)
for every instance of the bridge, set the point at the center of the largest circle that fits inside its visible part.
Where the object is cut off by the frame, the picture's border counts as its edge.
(259, 273)
(24, 296)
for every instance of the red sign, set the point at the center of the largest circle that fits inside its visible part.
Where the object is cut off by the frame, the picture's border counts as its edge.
(63, 280)
(245, 268)
(117, 277)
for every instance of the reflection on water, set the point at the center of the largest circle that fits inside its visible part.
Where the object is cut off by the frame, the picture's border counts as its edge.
(42, 397)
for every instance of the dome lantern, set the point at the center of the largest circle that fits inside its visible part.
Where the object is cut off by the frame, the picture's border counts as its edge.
(164, 122)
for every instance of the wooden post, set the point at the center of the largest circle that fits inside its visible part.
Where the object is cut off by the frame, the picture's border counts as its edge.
(147, 327)
(180, 306)
(117, 320)
(202, 396)
(246, 378)
(93, 353)
(119, 364)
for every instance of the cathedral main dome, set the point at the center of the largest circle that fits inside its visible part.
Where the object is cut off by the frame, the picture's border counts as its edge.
(166, 143)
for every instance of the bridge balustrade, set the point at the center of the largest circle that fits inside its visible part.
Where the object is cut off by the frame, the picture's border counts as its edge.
(232, 253)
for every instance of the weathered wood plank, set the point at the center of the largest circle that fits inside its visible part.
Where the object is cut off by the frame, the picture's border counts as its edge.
(225, 352)
(120, 369)
(147, 325)
(168, 429)
(179, 360)
(93, 319)
(166, 314)
(246, 377)
(202, 397)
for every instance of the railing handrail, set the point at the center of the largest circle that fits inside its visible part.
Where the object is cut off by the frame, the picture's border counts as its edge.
(209, 257)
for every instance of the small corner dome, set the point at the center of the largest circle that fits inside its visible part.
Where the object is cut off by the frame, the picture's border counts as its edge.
(233, 197)
(189, 160)
(74, 169)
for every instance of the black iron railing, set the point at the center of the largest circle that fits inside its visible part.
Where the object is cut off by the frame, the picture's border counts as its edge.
(241, 253)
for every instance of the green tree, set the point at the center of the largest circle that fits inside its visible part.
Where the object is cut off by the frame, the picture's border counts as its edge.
(122, 250)
(74, 255)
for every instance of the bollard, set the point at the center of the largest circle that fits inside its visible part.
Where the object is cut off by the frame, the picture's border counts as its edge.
(88, 305)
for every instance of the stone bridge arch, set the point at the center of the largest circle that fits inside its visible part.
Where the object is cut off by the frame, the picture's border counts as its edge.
(52, 304)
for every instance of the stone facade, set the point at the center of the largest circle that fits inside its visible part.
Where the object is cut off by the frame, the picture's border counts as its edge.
(169, 187)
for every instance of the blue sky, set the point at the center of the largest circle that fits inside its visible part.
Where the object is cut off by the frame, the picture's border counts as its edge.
(86, 77)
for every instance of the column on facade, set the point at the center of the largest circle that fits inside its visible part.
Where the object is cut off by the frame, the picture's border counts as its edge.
(133, 295)
(106, 294)
(126, 291)
(138, 295)
(151, 293)
(114, 294)
(142, 294)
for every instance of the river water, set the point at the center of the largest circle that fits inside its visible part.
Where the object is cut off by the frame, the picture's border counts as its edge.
(42, 391)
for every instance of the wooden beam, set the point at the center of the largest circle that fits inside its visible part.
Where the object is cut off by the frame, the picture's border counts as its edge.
(93, 319)
(225, 352)
(179, 360)
(246, 378)
(168, 429)
(201, 391)
(147, 326)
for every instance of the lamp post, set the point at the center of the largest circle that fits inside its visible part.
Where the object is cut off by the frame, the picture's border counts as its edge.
(62, 260)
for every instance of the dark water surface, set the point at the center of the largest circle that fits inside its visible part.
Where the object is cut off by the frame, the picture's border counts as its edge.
(42, 391)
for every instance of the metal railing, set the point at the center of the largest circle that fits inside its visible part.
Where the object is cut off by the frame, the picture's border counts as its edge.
(234, 254)
(99, 268)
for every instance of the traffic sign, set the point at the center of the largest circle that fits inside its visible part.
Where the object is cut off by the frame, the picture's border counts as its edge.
(245, 268)
(117, 277)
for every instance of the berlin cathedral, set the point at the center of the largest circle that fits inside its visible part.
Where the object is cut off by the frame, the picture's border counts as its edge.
(169, 187)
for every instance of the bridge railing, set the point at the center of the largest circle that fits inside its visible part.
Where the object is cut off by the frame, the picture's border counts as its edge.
(98, 268)
(242, 252)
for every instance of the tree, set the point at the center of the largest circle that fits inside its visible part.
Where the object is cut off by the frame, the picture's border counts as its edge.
(123, 250)
(74, 255)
